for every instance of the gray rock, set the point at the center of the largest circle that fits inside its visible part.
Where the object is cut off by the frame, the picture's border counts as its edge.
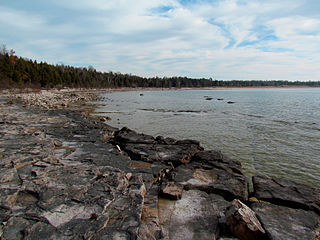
(15, 228)
(225, 183)
(176, 154)
(287, 193)
(195, 216)
(282, 223)
(141, 147)
(215, 159)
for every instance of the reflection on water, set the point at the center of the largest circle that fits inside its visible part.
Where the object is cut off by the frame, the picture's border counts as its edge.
(274, 132)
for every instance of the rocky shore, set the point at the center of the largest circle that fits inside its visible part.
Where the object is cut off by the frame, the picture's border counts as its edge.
(66, 175)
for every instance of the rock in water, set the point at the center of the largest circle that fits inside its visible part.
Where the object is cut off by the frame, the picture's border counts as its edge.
(211, 172)
(286, 193)
(282, 223)
(243, 222)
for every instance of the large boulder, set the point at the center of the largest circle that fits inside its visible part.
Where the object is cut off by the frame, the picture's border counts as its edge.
(287, 193)
(243, 222)
(282, 223)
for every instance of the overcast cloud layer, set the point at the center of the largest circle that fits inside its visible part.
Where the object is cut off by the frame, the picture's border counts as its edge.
(222, 39)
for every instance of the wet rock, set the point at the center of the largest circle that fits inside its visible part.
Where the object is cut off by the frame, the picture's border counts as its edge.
(141, 147)
(215, 159)
(167, 141)
(283, 223)
(126, 135)
(286, 193)
(243, 222)
(176, 154)
(225, 183)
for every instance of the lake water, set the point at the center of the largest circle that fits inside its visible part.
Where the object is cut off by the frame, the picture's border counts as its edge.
(272, 132)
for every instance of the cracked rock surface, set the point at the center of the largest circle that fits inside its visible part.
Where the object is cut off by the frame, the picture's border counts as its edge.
(64, 175)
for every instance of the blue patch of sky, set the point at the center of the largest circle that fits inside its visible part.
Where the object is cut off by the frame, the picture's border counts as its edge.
(262, 33)
(79, 65)
(273, 49)
(162, 9)
(225, 32)
(188, 2)
(193, 2)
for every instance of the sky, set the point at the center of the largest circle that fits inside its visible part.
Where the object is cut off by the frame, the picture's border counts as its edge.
(218, 39)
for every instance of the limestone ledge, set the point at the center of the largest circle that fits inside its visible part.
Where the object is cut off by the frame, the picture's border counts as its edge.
(64, 175)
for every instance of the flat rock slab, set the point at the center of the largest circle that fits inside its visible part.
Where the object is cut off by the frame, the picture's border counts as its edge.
(195, 216)
(282, 223)
(175, 154)
(287, 193)
(227, 184)
(76, 202)
(215, 159)
(142, 147)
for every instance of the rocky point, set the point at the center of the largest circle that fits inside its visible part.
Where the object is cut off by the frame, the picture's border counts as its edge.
(67, 175)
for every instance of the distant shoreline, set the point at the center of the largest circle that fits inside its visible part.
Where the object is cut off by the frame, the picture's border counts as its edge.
(202, 88)
(126, 89)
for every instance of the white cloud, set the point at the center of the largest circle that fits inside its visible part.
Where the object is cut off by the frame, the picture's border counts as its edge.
(226, 39)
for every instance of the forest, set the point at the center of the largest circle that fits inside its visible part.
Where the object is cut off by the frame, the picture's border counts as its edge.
(18, 72)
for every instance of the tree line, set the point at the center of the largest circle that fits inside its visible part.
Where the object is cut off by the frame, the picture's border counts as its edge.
(21, 72)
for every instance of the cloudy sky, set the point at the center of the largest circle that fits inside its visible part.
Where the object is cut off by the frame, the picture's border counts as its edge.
(222, 39)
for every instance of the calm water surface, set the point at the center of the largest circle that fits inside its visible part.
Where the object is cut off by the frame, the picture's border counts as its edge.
(273, 132)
